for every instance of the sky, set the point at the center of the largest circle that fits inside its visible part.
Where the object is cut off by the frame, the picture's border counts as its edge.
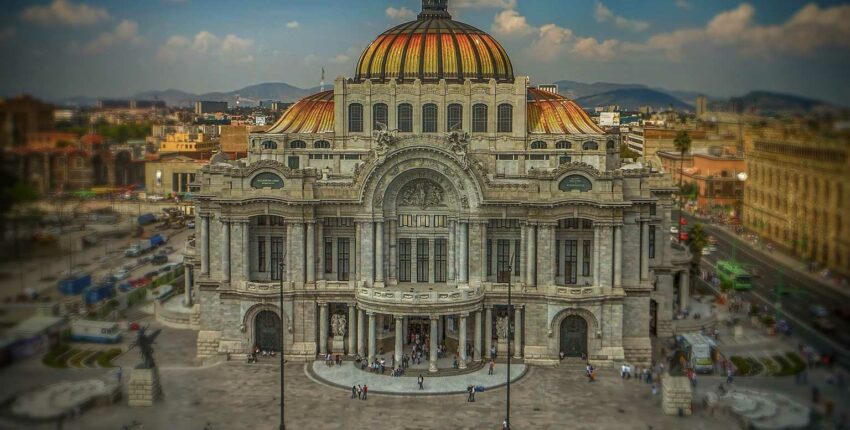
(116, 48)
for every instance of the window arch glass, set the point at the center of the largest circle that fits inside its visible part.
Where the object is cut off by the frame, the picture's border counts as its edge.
(405, 118)
(454, 117)
(590, 146)
(506, 118)
(321, 144)
(479, 118)
(355, 118)
(539, 144)
(563, 144)
(380, 115)
(297, 144)
(610, 144)
(269, 144)
(429, 118)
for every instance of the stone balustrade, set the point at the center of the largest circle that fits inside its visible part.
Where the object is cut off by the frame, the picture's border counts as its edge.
(447, 300)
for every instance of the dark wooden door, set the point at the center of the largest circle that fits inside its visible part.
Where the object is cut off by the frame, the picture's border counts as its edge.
(574, 336)
(267, 331)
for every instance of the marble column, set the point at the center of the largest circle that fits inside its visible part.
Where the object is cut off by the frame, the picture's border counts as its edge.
(372, 345)
(246, 250)
(323, 328)
(644, 252)
(405, 333)
(352, 328)
(464, 253)
(517, 331)
(618, 256)
(432, 360)
(483, 250)
(531, 255)
(367, 253)
(451, 253)
(379, 251)
(476, 346)
(488, 330)
(225, 251)
(461, 342)
(320, 242)
(684, 290)
(361, 333)
(205, 245)
(597, 234)
(399, 339)
(187, 283)
(356, 270)
(311, 252)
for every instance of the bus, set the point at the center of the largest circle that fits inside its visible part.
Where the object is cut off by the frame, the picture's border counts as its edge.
(698, 349)
(733, 274)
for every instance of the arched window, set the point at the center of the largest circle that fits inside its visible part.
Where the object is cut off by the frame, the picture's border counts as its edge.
(610, 144)
(455, 117)
(590, 146)
(429, 118)
(506, 118)
(405, 118)
(269, 144)
(563, 144)
(538, 144)
(479, 118)
(297, 144)
(355, 118)
(380, 115)
(322, 144)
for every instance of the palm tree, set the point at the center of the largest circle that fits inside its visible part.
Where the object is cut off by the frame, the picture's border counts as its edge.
(682, 142)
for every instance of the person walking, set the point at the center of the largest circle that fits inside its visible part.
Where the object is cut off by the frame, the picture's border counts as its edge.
(353, 391)
(421, 381)
(492, 367)
(365, 391)
(359, 392)
(470, 390)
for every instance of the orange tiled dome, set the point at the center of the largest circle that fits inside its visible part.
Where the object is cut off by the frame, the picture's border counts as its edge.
(312, 114)
(435, 47)
(550, 113)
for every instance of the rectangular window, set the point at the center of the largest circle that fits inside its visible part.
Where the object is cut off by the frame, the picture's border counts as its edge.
(652, 241)
(404, 260)
(343, 258)
(275, 220)
(440, 220)
(538, 157)
(421, 260)
(261, 220)
(489, 257)
(277, 257)
(652, 209)
(405, 220)
(329, 254)
(585, 258)
(423, 220)
(455, 117)
(292, 162)
(586, 224)
(261, 253)
(350, 157)
(564, 159)
(440, 266)
(570, 268)
(506, 157)
(174, 182)
(517, 258)
(503, 257)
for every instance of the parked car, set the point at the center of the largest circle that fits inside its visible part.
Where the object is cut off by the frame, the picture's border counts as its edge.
(121, 274)
(674, 229)
(159, 259)
(152, 274)
(190, 224)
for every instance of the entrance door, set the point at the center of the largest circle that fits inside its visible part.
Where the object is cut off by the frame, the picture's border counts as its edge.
(267, 331)
(574, 336)
(420, 326)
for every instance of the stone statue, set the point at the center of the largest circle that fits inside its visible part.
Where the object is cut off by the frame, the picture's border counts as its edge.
(385, 138)
(145, 344)
(502, 327)
(458, 141)
(422, 193)
(338, 325)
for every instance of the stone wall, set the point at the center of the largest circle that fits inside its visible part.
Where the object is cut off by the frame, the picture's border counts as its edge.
(676, 394)
(208, 342)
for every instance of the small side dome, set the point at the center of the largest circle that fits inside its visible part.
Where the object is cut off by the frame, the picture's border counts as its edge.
(312, 114)
(550, 113)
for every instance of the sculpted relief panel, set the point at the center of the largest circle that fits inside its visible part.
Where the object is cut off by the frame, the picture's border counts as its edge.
(422, 193)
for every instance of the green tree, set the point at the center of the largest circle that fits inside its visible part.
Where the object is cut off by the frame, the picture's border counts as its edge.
(682, 142)
(626, 152)
(697, 240)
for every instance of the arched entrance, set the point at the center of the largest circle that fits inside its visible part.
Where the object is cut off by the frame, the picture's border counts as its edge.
(574, 336)
(267, 331)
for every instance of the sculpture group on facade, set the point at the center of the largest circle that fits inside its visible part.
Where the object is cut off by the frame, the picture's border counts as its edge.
(338, 325)
(421, 193)
(502, 327)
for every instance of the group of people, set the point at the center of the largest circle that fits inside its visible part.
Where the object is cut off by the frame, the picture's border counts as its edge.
(330, 360)
(256, 352)
(360, 392)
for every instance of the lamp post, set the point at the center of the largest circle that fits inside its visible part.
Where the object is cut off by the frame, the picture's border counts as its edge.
(280, 268)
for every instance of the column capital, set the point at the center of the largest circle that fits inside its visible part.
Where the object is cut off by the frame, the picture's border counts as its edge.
(463, 314)
(398, 317)
(490, 307)
(434, 317)
(323, 304)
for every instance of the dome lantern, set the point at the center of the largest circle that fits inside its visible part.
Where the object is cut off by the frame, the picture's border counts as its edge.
(434, 9)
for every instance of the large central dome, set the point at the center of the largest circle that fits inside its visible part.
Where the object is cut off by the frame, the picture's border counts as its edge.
(435, 47)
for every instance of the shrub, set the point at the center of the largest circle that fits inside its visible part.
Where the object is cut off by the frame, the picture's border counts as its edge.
(773, 369)
(746, 366)
(797, 363)
(77, 359)
(768, 320)
(53, 358)
(105, 358)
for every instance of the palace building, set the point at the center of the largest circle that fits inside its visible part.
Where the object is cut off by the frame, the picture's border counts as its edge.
(412, 196)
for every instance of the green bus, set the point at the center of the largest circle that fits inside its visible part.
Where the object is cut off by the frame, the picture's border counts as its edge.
(733, 274)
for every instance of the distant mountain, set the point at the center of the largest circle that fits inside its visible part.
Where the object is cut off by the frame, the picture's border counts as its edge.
(278, 91)
(576, 90)
(632, 99)
(770, 102)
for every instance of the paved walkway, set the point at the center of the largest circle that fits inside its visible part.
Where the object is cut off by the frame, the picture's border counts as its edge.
(348, 375)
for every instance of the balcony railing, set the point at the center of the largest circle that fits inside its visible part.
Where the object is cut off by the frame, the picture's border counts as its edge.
(448, 296)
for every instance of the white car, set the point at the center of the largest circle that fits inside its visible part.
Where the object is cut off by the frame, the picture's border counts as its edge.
(121, 274)
(155, 198)
(706, 251)
(674, 229)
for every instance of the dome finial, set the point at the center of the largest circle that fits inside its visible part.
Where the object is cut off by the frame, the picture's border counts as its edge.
(435, 9)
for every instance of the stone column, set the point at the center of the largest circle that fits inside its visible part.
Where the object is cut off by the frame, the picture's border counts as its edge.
(361, 333)
(488, 330)
(392, 267)
(187, 283)
(246, 250)
(399, 339)
(405, 331)
(451, 253)
(530, 257)
(432, 360)
(379, 251)
(517, 331)
(323, 328)
(205, 245)
(356, 270)
(464, 253)
(483, 250)
(320, 242)
(225, 251)
(596, 255)
(367, 253)
(644, 252)
(311, 252)
(352, 328)
(372, 345)
(476, 346)
(684, 290)
(461, 341)
(618, 256)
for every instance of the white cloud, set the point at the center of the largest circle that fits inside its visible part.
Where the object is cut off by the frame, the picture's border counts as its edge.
(399, 14)
(483, 4)
(293, 24)
(126, 32)
(340, 58)
(311, 59)
(64, 12)
(683, 4)
(230, 48)
(603, 14)
(510, 22)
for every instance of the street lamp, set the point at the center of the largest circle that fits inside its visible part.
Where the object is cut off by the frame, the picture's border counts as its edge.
(280, 273)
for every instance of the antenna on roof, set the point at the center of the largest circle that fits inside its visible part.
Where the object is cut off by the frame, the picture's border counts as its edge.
(322, 84)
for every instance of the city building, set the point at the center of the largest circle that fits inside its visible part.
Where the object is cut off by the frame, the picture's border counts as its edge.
(171, 174)
(204, 107)
(409, 198)
(796, 193)
(702, 105)
(187, 142)
(714, 177)
(20, 116)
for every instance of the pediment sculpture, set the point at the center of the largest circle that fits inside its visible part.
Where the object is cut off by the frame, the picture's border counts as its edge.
(421, 193)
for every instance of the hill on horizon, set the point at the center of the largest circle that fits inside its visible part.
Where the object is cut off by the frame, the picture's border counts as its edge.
(633, 99)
